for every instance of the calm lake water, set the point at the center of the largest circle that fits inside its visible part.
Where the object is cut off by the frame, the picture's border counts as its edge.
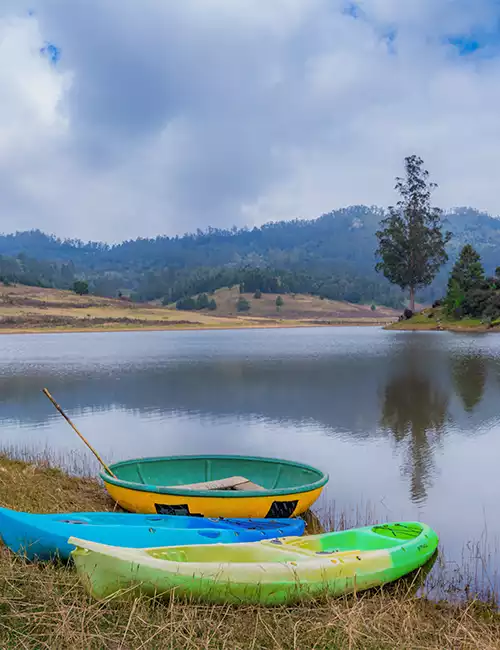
(406, 423)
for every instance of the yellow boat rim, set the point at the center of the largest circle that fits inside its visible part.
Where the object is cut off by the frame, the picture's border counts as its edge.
(215, 486)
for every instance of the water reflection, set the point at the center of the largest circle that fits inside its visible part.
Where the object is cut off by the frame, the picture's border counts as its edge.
(415, 412)
(289, 391)
(406, 424)
(469, 378)
(346, 387)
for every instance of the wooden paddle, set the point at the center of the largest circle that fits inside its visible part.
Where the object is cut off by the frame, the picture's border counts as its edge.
(47, 394)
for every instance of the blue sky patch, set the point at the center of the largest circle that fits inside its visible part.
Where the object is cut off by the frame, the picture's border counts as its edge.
(465, 44)
(352, 9)
(390, 37)
(51, 51)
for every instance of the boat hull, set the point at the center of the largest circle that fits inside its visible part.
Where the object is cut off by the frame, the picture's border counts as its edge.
(215, 486)
(212, 506)
(266, 573)
(44, 536)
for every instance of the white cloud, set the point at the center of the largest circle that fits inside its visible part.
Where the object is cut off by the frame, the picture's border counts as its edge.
(164, 117)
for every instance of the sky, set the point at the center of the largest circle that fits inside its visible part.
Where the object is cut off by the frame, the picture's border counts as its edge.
(143, 117)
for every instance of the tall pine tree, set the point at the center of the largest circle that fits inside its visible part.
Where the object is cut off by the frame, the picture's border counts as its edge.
(468, 271)
(412, 245)
(466, 275)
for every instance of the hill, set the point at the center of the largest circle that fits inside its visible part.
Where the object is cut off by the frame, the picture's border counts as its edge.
(299, 307)
(24, 309)
(332, 256)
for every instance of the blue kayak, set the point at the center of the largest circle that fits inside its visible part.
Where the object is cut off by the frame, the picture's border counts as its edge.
(44, 536)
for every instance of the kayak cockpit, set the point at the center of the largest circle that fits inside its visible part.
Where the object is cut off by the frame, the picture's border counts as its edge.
(364, 539)
(224, 554)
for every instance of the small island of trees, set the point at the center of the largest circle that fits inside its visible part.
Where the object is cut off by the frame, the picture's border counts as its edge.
(412, 249)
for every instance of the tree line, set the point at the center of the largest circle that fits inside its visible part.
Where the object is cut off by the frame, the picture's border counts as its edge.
(173, 285)
(27, 270)
(331, 257)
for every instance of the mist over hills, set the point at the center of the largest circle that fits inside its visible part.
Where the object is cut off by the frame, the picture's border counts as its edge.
(332, 255)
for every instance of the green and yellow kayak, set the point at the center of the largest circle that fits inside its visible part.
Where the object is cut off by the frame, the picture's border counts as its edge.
(215, 486)
(271, 572)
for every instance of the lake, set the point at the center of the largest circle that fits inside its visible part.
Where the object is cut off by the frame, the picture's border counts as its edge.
(406, 423)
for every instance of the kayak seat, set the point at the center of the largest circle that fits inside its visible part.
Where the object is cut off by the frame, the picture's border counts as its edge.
(230, 483)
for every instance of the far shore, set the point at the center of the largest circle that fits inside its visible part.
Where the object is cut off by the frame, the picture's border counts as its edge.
(241, 325)
(457, 328)
(37, 310)
(435, 320)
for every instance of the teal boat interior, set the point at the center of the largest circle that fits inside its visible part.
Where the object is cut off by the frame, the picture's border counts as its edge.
(246, 475)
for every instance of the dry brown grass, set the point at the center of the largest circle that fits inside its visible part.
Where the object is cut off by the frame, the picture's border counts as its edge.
(31, 309)
(43, 606)
(38, 487)
(300, 308)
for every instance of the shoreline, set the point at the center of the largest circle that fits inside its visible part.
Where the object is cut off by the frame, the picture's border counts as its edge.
(434, 321)
(457, 329)
(44, 604)
(186, 327)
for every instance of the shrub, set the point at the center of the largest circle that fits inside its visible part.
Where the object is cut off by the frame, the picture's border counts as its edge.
(81, 287)
(186, 304)
(242, 304)
(492, 309)
(476, 302)
(202, 301)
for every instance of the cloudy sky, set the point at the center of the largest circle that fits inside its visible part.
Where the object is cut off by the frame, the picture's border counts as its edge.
(167, 116)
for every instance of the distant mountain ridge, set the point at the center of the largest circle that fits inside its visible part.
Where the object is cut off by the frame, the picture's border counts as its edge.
(339, 244)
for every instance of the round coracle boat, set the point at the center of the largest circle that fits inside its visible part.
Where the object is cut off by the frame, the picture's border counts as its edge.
(215, 486)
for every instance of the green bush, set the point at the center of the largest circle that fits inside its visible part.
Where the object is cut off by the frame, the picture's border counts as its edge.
(186, 304)
(242, 304)
(202, 301)
(81, 287)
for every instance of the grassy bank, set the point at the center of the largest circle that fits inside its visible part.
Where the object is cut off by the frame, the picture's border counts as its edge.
(34, 309)
(44, 606)
(436, 320)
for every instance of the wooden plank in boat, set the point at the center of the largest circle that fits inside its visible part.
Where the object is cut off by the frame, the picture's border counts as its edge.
(230, 483)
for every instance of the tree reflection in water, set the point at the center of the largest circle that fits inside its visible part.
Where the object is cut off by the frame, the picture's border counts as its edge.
(469, 377)
(415, 412)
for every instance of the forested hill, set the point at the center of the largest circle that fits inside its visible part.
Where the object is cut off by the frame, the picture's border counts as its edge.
(333, 254)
